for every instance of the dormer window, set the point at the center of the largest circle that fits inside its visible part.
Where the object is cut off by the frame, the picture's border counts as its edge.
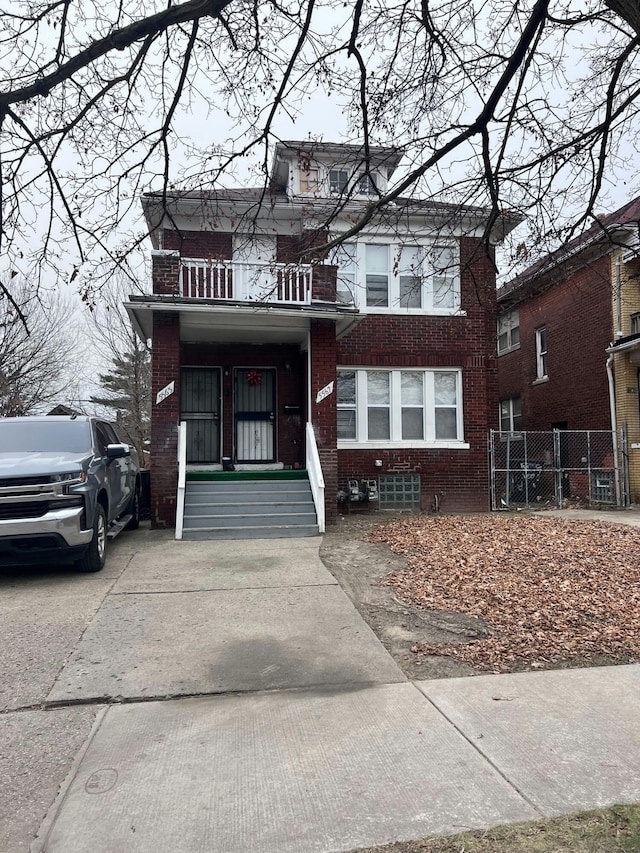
(366, 185)
(338, 180)
(308, 180)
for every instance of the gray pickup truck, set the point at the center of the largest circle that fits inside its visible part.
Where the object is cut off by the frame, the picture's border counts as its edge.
(67, 484)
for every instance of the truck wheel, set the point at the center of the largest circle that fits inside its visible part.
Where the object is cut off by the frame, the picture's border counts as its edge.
(134, 509)
(94, 557)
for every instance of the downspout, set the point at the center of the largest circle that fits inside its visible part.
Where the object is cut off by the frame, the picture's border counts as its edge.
(618, 298)
(614, 427)
(309, 375)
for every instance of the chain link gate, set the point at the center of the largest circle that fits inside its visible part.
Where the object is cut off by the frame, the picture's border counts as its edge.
(558, 468)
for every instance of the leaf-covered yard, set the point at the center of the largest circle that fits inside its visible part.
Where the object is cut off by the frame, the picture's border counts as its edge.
(551, 591)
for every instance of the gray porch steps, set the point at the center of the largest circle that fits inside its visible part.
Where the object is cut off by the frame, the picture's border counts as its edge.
(248, 509)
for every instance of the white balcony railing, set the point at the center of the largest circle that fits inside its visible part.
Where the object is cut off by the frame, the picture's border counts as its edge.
(243, 282)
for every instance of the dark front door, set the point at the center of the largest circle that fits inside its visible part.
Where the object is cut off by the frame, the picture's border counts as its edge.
(200, 408)
(255, 414)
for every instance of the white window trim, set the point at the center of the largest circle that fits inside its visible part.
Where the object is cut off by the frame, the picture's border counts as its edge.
(324, 168)
(394, 307)
(362, 442)
(510, 402)
(509, 315)
(541, 373)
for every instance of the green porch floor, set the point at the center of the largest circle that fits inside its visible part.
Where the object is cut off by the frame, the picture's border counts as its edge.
(222, 476)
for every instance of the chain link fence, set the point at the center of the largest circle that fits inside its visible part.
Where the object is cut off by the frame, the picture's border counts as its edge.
(558, 469)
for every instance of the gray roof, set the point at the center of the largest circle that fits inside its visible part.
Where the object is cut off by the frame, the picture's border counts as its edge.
(257, 195)
(352, 151)
(625, 218)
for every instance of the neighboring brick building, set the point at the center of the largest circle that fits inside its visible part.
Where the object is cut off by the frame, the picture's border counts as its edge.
(385, 345)
(569, 337)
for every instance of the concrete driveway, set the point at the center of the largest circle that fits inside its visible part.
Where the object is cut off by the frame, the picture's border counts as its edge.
(226, 696)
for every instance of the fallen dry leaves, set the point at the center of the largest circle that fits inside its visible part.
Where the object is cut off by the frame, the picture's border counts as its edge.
(549, 590)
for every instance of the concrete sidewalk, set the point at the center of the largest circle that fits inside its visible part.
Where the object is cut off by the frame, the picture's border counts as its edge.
(315, 742)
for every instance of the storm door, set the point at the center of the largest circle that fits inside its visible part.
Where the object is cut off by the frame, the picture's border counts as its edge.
(255, 414)
(200, 408)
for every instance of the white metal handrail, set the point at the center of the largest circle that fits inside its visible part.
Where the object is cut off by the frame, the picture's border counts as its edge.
(288, 284)
(316, 480)
(182, 477)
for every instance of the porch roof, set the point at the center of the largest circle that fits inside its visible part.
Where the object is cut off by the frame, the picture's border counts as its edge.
(625, 344)
(211, 320)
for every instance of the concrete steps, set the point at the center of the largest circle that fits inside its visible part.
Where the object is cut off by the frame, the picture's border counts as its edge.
(249, 509)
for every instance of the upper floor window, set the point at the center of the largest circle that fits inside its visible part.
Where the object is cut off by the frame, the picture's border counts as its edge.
(324, 179)
(338, 180)
(366, 185)
(399, 406)
(411, 277)
(541, 353)
(309, 180)
(377, 275)
(634, 323)
(345, 260)
(508, 331)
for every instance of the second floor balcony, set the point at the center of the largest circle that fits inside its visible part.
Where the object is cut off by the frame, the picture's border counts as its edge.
(233, 281)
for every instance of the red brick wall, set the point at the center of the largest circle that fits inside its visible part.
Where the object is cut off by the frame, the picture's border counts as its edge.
(300, 248)
(166, 273)
(458, 477)
(290, 365)
(576, 313)
(323, 413)
(324, 283)
(164, 419)
(199, 244)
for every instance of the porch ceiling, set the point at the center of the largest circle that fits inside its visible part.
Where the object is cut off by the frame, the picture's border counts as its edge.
(239, 323)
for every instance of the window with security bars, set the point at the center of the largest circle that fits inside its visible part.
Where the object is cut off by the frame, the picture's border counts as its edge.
(399, 491)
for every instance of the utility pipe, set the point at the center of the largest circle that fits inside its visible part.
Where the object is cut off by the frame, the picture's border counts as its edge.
(618, 298)
(614, 428)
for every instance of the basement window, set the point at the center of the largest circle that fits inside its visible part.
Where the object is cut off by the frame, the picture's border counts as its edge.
(399, 491)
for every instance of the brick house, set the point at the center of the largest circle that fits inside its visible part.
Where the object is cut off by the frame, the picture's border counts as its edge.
(373, 361)
(569, 337)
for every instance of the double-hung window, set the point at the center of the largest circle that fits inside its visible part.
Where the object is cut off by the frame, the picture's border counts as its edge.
(392, 277)
(338, 180)
(415, 407)
(377, 275)
(508, 331)
(410, 276)
(346, 404)
(366, 185)
(511, 415)
(444, 264)
(541, 353)
(344, 257)
(309, 182)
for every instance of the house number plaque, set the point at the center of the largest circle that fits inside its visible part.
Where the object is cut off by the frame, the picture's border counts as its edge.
(324, 392)
(165, 392)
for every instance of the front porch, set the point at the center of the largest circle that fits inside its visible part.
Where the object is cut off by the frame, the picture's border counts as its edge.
(244, 355)
(243, 406)
(246, 504)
